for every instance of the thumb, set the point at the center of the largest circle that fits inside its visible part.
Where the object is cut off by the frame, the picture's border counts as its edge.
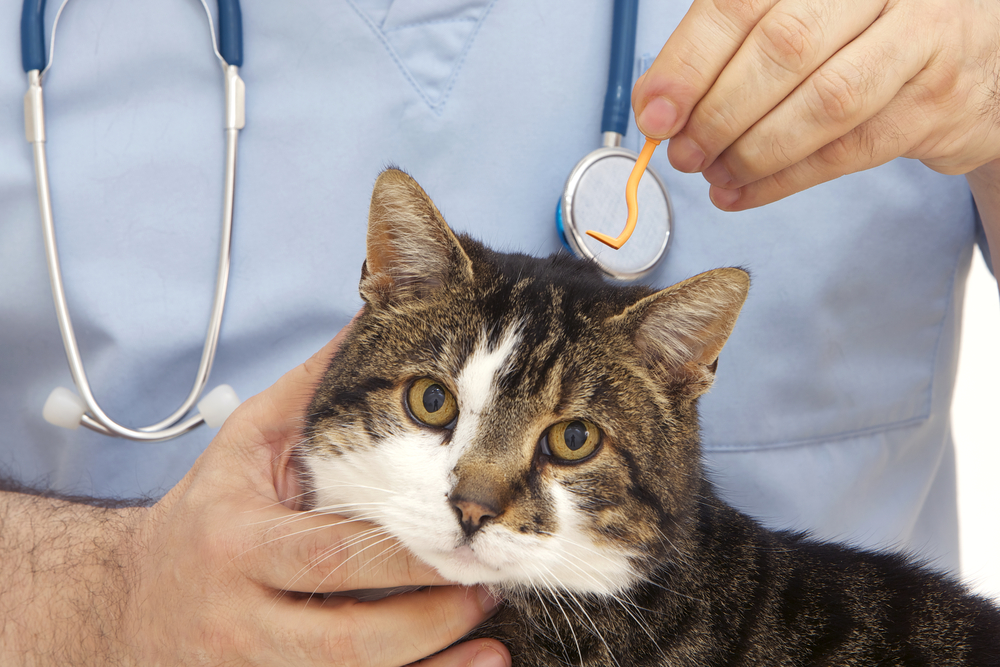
(263, 430)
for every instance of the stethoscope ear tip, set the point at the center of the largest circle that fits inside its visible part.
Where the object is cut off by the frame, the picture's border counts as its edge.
(216, 406)
(64, 408)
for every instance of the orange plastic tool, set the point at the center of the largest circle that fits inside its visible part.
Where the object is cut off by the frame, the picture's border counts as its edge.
(631, 188)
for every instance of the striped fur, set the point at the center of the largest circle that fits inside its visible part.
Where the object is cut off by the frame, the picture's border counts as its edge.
(626, 557)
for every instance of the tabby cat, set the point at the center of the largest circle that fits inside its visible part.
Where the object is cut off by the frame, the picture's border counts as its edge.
(521, 423)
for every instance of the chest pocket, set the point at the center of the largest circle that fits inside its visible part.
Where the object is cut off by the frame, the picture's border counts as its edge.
(428, 41)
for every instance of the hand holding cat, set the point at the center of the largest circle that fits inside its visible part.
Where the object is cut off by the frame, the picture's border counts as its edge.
(767, 98)
(216, 553)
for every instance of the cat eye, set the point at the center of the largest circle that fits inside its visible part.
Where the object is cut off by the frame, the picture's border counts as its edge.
(431, 403)
(572, 440)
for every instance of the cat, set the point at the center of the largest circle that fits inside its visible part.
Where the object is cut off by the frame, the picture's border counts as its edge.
(524, 424)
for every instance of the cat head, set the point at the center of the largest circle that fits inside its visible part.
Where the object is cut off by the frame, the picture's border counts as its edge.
(514, 420)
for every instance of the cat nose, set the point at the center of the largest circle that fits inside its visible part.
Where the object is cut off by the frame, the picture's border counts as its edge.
(471, 514)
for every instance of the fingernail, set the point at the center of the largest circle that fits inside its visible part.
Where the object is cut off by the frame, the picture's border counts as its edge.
(717, 174)
(657, 118)
(488, 656)
(685, 155)
(487, 600)
(724, 198)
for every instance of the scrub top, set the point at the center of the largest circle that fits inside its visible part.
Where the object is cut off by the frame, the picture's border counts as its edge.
(830, 410)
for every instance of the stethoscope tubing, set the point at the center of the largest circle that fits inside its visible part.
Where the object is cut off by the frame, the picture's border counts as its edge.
(34, 61)
(33, 35)
(33, 55)
(618, 98)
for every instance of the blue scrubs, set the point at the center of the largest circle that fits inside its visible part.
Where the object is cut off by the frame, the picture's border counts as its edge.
(831, 407)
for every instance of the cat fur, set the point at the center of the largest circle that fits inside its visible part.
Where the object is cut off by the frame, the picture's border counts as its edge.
(627, 557)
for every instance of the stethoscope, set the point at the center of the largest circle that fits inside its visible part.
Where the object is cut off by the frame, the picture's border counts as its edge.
(64, 407)
(593, 196)
(591, 200)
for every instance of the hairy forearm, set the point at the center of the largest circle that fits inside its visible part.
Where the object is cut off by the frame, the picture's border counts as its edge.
(985, 184)
(64, 578)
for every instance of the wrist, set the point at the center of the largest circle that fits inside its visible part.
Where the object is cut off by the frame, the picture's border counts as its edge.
(986, 175)
(985, 184)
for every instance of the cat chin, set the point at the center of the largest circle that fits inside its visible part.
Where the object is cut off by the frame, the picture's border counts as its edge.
(463, 566)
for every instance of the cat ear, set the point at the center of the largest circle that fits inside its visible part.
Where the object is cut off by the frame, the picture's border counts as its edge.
(680, 331)
(411, 250)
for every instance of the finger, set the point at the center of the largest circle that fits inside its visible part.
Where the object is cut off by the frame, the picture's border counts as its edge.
(477, 653)
(312, 552)
(905, 127)
(390, 632)
(788, 44)
(849, 89)
(869, 145)
(705, 40)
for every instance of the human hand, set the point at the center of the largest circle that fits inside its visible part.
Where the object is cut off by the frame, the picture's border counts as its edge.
(772, 97)
(216, 557)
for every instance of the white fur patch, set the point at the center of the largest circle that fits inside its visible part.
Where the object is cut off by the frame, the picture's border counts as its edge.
(476, 386)
(482, 369)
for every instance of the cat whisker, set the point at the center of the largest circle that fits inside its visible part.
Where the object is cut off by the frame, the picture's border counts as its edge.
(589, 621)
(338, 509)
(277, 504)
(289, 587)
(385, 555)
(555, 627)
(355, 485)
(625, 603)
(333, 550)
(367, 515)
(582, 546)
(553, 595)
(296, 533)
(588, 573)
(615, 596)
(305, 514)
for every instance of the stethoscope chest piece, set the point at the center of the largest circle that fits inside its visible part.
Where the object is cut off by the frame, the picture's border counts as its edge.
(592, 199)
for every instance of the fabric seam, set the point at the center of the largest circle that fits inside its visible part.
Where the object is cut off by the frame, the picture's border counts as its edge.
(438, 107)
(419, 24)
(392, 52)
(824, 439)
